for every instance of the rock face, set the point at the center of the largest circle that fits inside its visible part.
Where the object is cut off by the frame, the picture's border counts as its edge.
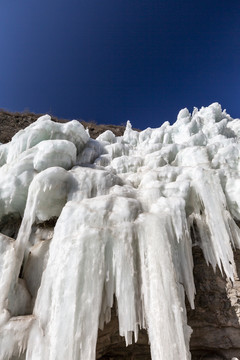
(112, 346)
(215, 320)
(11, 123)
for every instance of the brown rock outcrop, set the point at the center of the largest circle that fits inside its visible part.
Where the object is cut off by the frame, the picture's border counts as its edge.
(11, 123)
(215, 320)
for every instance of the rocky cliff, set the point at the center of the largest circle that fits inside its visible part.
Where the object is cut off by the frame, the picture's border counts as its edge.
(11, 123)
(215, 321)
(216, 318)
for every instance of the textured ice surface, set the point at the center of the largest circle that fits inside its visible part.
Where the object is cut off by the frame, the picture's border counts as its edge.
(124, 209)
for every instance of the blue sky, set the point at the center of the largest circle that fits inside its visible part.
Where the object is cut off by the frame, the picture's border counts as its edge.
(114, 60)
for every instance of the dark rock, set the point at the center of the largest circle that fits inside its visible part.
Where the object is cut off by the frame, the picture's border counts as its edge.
(10, 224)
(11, 123)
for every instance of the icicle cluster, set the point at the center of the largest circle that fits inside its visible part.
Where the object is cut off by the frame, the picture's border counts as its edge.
(124, 208)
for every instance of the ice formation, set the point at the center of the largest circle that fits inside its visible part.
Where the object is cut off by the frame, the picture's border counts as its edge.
(124, 209)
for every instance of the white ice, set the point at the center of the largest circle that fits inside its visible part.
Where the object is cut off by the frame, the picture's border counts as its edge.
(124, 209)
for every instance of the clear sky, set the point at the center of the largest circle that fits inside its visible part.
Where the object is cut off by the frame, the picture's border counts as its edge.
(114, 60)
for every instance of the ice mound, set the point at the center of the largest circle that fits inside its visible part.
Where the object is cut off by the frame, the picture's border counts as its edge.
(123, 209)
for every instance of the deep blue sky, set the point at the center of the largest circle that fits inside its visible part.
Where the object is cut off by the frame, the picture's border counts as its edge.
(114, 60)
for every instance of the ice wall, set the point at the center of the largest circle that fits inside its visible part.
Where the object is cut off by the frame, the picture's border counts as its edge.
(123, 209)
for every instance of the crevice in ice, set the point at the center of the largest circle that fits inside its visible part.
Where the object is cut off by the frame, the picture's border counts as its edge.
(237, 222)
(48, 224)
(194, 232)
(22, 296)
(110, 345)
(21, 271)
(35, 263)
(20, 357)
(10, 224)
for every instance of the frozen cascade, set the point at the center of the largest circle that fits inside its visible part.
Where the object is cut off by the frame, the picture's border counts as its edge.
(124, 209)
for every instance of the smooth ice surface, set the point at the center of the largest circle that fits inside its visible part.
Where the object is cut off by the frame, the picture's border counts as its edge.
(124, 209)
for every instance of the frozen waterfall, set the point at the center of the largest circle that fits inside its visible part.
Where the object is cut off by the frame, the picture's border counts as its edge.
(123, 209)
